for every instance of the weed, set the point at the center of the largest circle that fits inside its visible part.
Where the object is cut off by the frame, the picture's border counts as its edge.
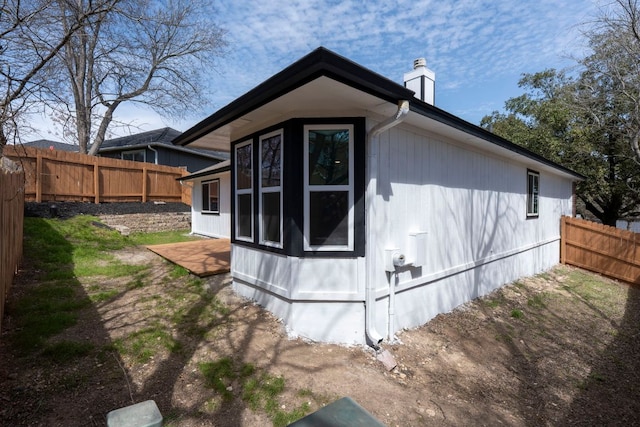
(517, 314)
(178, 271)
(538, 301)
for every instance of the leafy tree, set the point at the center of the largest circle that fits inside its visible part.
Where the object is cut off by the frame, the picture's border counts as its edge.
(589, 122)
(556, 118)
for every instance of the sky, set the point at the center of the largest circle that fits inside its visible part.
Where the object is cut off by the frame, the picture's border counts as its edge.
(478, 49)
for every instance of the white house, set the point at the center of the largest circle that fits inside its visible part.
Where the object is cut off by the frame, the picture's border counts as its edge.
(211, 200)
(359, 209)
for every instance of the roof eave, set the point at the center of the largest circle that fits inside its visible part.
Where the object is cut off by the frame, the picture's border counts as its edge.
(320, 62)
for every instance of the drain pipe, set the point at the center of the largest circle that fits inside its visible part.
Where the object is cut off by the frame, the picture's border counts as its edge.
(373, 336)
(155, 152)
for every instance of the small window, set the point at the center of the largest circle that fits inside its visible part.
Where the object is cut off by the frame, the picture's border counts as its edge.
(136, 156)
(244, 191)
(211, 196)
(271, 189)
(533, 191)
(328, 182)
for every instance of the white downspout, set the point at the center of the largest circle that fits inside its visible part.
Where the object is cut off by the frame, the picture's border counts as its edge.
(373, 335)
(155, 152)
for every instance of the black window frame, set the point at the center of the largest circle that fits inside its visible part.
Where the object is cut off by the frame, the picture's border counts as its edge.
(533, 194)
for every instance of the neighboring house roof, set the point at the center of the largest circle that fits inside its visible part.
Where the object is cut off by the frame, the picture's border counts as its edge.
(323, 81)
(47, 144)
(159, 137)
(217, 168)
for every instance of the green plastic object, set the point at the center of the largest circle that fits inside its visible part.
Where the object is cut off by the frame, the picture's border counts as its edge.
(143, 414)
(344, 412)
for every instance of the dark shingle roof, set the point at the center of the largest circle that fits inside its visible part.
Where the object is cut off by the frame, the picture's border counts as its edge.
(163, 136)
(158, 136)
(47, 144)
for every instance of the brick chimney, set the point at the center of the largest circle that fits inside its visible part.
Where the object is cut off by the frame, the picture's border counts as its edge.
(422, 81)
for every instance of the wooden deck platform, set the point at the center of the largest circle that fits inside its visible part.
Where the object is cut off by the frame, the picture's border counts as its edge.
(204, 257)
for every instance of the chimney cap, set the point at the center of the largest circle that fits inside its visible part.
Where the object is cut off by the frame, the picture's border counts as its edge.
(419, 62)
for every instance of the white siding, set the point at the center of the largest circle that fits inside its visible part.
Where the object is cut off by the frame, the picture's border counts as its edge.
(473, 208)
(212, 225)
(317, 298)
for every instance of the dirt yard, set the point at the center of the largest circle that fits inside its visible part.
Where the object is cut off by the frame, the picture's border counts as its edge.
(555, 350)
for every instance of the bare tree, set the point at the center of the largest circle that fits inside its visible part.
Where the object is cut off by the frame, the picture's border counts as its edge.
(156, 53)
(30, 39)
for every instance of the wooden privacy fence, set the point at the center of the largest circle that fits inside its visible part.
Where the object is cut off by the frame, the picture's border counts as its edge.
(600, 248)
(63, 176)
(11, 222)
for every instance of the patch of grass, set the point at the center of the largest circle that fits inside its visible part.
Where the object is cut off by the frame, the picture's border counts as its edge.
(103, 296)
(178, 271)
(162, 237)
(67, 351)
(538, 301)
(263, 393)
(44, 311)
(218, 375)
(144, 344)
(517, 314)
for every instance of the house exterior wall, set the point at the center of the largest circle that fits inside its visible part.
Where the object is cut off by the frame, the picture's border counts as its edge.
(469, 206)
(209, 224)
(472, 208)
(167, 157)
(318, 298)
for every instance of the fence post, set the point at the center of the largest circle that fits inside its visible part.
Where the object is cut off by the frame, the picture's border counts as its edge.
(563, 239)
(38, 177)
(144, 183)
(96, 180)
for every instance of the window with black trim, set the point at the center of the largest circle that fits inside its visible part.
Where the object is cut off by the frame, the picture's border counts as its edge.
(328, 188)
(533, 191)
(271, 189)
(244, 191)
(211, 196)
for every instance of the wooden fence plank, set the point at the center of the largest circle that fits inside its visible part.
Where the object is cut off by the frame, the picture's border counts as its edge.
(11, 229)
(602, 249)
(64, 176)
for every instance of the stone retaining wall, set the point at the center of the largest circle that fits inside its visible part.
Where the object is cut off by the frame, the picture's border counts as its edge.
(149, 222)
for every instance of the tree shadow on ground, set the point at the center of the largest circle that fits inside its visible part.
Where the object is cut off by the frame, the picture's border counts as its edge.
(610, 395)
(57, 362)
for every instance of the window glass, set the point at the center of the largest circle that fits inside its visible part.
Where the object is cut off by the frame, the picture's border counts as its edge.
(244, 216)
(136, 156)
(271, 161)
(328, 157)
(328, 204)
(329, 220)
(533, 190)
(210, 197)
(271, 217)
(243, 167)
(244, 191)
